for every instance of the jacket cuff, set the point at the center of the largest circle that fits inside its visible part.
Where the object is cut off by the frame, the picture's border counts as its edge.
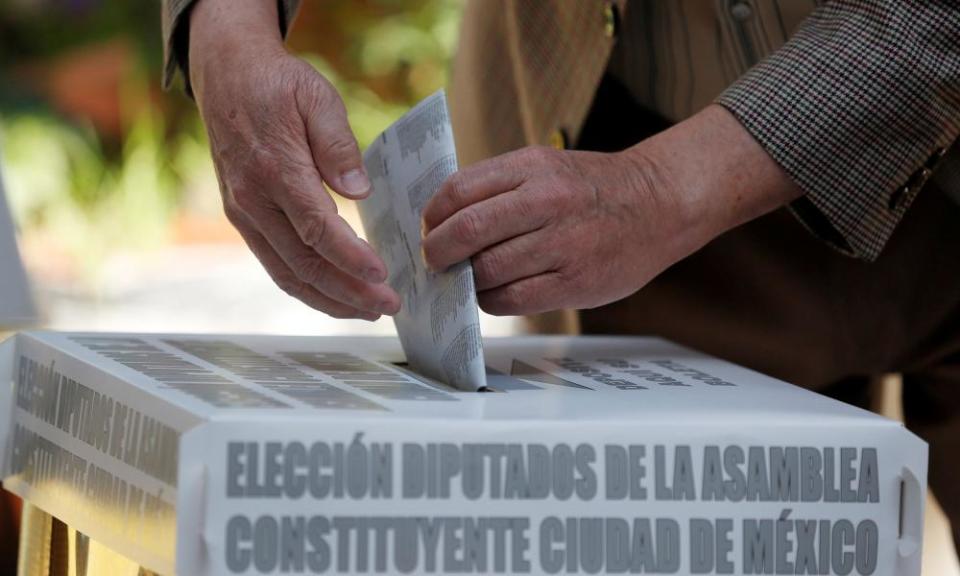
(858, 113)
(176, 36)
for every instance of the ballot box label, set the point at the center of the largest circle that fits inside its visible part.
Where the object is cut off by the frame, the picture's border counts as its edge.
(387, 501)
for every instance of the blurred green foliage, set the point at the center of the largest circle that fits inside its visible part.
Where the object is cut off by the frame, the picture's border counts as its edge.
(95, 188)
(63, 185)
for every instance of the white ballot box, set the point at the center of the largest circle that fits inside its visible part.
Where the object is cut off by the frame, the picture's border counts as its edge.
(203, 455)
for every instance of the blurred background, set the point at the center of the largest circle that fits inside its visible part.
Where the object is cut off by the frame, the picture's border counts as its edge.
(110, 179)
(112, 187)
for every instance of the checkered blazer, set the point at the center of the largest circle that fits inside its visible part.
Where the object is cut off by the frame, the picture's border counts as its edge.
(858, 100)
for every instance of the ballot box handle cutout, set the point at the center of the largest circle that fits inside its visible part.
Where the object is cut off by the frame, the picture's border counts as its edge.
(911, 515)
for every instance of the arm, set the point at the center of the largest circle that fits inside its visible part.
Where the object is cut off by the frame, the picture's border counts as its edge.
(548, 229)
(175, 18)
(845, 122)
(278, 134)
(858, 108)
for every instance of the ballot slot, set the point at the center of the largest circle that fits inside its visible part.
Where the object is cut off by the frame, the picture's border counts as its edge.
(405, 367)
(522, 376)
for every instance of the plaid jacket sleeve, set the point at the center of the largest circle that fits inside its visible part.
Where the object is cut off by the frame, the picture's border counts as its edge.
(858, 108)
(176, 35)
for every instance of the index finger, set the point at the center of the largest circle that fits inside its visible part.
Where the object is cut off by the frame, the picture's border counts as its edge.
(313, 214)
(471, 185)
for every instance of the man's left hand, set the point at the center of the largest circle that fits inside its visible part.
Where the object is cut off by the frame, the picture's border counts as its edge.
(549, 229)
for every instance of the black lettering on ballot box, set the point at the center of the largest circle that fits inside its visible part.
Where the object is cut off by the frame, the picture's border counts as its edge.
(204, 455)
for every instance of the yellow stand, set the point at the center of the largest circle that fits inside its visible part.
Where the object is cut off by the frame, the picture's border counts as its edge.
(49, 547)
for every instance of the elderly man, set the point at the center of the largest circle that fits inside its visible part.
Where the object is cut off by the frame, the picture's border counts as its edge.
(771, 181)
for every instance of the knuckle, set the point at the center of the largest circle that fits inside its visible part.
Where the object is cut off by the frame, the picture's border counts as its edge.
(529, 209)
(488, 267)
(445, 202)
(264, 165)
(563, 259)
(233, 212)
(244, 201)
(564, 197)
(542, 205)
(456, 187)
(311, 270)
(338, 148)
(293, 178)
(229, 178)
(255, 164)
(468, 227)
(313, 229)
(326, 97)
(572, 279)
(301, 84)
(298, 77)
(541, 155)
(291, 286)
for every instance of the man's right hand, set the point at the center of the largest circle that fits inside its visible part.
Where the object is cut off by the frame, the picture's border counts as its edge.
(278, 131)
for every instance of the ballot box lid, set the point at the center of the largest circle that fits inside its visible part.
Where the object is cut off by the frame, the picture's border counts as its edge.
(249, 377)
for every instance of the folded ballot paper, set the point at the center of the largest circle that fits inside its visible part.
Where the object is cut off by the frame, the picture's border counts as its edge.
(438, 323)
(203, 455)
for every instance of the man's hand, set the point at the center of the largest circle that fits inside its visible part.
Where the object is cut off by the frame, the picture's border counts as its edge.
(278, 131)
(547, 229)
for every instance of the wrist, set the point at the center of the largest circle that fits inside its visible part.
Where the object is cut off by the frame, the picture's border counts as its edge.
(716, 173)
(227, 33)
(662, 180)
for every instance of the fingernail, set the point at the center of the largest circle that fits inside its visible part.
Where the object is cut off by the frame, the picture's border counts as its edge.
(423, 229)
(355, 183)
(423, 256)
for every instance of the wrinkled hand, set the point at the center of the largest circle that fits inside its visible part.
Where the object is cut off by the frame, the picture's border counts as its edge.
(548, 229)
(278, 131)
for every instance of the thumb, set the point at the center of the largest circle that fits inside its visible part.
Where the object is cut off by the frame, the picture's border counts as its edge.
(334, 148)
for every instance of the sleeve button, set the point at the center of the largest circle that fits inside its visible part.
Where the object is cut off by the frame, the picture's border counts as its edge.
(611, 20)
(741, 11)
(896, 199)
(558, 139)
(935, 158)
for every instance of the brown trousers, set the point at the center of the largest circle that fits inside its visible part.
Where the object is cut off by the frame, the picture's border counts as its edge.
(771, 296)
